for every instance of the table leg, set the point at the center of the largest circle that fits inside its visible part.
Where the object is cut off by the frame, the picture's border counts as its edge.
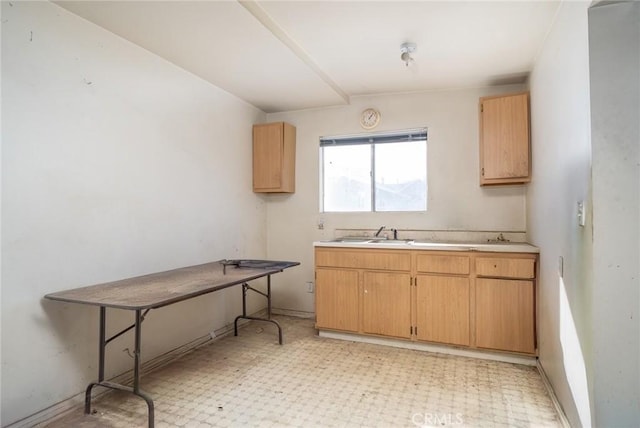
(101, 352)
(245, 288)
(136, 368)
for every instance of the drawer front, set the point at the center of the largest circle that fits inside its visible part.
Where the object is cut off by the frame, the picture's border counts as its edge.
(505, 267)
(430, 263)
(376, 259)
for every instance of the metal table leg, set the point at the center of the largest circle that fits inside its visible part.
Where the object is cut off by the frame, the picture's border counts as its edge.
(136, 368)
(245, 288)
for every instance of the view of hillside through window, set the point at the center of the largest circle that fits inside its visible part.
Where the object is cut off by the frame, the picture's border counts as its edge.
(375, 177)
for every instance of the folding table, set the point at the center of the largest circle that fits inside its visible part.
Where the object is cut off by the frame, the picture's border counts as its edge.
(153, 291)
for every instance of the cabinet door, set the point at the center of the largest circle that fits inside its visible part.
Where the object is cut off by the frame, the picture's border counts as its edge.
(387, 304)
(267, 156)
(504, 139)
(274, 157)
(337, 299)
(443, 309)
(505, 317)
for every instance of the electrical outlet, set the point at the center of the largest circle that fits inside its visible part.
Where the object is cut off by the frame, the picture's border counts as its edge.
(581, 214)
(309, 287)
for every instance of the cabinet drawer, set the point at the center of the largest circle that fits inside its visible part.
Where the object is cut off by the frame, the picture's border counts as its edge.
(505, 267)
(430, 263)
(376, 259)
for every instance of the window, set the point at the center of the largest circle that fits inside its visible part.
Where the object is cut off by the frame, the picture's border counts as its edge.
(375, 172)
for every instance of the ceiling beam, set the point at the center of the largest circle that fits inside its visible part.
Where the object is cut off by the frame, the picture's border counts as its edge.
(265, 19)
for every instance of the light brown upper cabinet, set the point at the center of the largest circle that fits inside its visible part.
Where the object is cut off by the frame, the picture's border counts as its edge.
(504, 139)
(274, 158)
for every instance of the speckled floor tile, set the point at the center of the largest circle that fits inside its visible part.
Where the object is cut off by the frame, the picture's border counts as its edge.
(310, 381)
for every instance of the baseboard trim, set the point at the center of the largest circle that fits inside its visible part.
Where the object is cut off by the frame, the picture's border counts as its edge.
(554, 399)
(292, 313)
(64, 407)
(441, 349)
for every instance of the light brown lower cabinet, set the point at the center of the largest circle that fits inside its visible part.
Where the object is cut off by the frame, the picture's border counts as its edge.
(337, 299)
(386, 304)
(505, 315)
(469, 299)
(442, 309)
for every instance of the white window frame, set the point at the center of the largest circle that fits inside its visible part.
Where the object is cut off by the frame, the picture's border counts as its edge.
(402, 136)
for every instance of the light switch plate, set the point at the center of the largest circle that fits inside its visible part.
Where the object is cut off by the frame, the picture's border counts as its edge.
(581, 214)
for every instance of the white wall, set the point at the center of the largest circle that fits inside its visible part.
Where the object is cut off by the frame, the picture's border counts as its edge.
(585, 97)
(455, 199)
(561, 177)
(115, 163)
(614, 37)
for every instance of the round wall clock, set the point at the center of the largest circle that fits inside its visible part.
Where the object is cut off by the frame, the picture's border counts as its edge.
(370, 118)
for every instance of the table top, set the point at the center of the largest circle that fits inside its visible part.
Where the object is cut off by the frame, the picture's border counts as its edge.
(163, 288)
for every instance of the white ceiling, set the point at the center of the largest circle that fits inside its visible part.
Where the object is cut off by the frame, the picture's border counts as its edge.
(290, 55)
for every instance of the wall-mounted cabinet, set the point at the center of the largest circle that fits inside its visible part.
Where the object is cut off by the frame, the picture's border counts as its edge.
(505, 155)
(274, 157)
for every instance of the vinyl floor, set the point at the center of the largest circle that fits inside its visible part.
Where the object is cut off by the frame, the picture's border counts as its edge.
(251, 381)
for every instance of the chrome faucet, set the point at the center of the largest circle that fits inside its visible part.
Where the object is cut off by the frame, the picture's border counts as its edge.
(379, 231)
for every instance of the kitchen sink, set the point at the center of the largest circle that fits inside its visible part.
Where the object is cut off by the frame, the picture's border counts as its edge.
(370, 240)
(355, 239)
(435, 243)
(393, 241)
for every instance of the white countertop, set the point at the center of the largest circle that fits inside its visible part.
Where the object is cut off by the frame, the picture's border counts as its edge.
(496, 247)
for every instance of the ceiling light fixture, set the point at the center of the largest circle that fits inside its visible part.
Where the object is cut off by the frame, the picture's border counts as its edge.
(406, 49)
